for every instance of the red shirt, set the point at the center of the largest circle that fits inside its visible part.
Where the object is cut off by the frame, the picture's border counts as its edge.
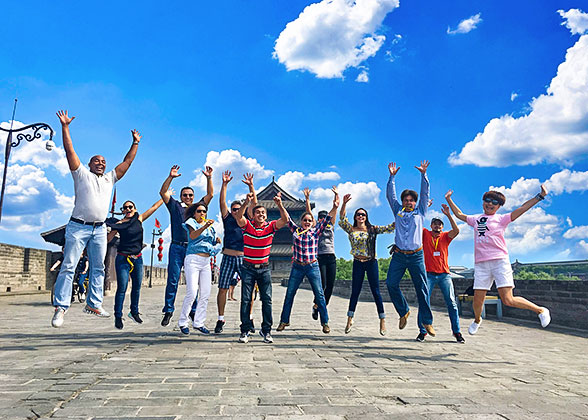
(435, 250)
(257, 242)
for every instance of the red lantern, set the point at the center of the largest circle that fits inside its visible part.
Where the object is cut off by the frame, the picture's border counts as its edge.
(160, 249)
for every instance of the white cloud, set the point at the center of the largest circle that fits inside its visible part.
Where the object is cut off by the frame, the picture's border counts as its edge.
(532, 231)
(363, 194)
(555, 131)
(584, 245)
(466, 25)
(291, 181)
(31, 201)
(362, 77)
(330, 36)
(323, 176)
(229, 160)
(578, 232)
(575, 20)
(513, 96)
(34, 152)
(569, 222)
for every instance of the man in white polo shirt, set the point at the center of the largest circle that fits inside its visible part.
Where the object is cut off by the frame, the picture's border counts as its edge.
(86, 228)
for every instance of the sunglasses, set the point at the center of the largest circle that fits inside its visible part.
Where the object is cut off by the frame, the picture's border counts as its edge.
(491, 200)
(187, 195)
(361, 214)
(127, 207)
(200, 211)
(236, 209)
(307, 220)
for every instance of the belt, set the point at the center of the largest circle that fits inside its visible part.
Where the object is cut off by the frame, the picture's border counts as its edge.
(129, 255)
(250, 265)
(129, 259)
(402, 251)
(81, 222)
(184, 244)
(303, 263)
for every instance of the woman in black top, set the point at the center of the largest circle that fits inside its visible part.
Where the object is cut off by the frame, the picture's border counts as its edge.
(129, 262)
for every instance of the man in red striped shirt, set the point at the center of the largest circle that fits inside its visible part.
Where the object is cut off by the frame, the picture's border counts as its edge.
(258, 236)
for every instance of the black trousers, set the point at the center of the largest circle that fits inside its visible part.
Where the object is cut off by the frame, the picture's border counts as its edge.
(328, 269)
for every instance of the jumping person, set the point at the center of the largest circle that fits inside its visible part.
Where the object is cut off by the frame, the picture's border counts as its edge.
(408, 248)
(129, 261)
(305, 264)
(258, 236)
(362, 237)
(492, 263)
(326, 255)
(232, 247)
(177, 248)
(86, 228)
(435, 248)
(203, 244)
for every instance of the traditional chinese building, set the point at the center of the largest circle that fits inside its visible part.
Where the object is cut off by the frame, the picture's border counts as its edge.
(281, 254)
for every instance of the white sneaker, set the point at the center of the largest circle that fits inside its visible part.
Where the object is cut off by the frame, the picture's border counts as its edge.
(244, 338)
(545, 317)
(100, 312)
(474, 326)
(58, 317)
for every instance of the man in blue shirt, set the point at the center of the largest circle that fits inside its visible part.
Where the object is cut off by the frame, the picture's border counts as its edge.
(177, 248)
(408, 249)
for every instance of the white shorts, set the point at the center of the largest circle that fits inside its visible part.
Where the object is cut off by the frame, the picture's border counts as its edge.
(487, 272)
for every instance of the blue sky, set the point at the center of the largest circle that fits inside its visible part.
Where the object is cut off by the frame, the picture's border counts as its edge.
(314, 94)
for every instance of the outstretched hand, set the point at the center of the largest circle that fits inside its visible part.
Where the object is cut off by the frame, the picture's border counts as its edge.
(393, 168)
(423, 168)
(173, 172)
(249, 197)
(171, 192)
(448, 194)
(227, 177)
(430, 202)
(64, 119)
(306, 192)
(136, 136)
(248, 179)
(278, 198)
(207, 171)
(543, 190)
(445, 210)
(346, 198)
(336, 197)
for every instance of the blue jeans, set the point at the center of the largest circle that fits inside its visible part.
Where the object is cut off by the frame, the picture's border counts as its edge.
(415, 263)
(263, 278)
(297, 273)
(78, 237)
(446, 286)
(360, 268)
(123, 272)
(175, 262)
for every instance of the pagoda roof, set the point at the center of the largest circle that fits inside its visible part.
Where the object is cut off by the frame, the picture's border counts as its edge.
(266, 198)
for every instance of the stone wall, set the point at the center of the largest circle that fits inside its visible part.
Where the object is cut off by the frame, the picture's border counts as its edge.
(567, 300)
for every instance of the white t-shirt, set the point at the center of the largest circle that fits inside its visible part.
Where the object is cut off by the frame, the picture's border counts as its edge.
(489, 243)
(92, 194)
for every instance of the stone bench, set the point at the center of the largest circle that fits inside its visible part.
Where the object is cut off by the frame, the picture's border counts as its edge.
(490, 300)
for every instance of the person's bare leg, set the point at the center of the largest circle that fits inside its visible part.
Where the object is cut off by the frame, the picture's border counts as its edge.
(221, 301)
(479, 297)
(517, 301)
(232, 292)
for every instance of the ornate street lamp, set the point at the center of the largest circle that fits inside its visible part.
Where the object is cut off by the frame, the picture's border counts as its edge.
(22, 135)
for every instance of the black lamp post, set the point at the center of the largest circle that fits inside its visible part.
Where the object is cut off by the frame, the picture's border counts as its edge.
(22, 135)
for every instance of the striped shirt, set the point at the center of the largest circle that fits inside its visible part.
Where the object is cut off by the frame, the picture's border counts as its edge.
(257, 242)
(306, 240)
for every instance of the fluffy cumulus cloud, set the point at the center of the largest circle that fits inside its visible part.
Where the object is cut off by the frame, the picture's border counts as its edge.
(31, 201)
(554, 131)
(229, 160)
(466, 25)
(34, 152)
(575, 20)
(363, 194)
(331, 36)
(292, 181)
(363, 77)
(532, 231)
(584, 246)
(577, 232)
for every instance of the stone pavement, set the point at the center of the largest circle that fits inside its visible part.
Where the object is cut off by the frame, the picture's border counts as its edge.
(89, 370)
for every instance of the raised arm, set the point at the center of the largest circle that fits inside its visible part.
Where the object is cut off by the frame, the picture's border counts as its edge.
(284, 216)
(333, 212)
(248, 180)
(425, 187)
(72, 158)
(209, 187)
(306, 192)
(146, 214)
(123, 167)
(240, 217)
(223, 194)
(528, 204)
(454, 229)
(391, 188)
(454, 208)
(195, 233)
(343, 222)
(164, 190)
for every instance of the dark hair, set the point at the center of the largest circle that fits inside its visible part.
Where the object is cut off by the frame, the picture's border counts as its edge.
(192, 209)
(371, 241)
(436, 220)
(412, 193)
(306, 213)
(236, 202)
(186, 188)
(322, 214)
(129, 201)
(496, 195)
(257, 207)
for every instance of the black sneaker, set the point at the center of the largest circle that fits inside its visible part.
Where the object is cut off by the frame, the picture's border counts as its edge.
(315, 313)
(459, 338)
(167, 316)
(136, 318)
(421, 337)
(267, 338)
(252, 329)
(118, 323)
(191, 316)
(219, 327)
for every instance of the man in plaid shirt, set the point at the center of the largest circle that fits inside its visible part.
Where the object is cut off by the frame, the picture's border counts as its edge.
(305, 264)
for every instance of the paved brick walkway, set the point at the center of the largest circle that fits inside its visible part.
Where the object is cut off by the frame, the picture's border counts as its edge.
(89, 370)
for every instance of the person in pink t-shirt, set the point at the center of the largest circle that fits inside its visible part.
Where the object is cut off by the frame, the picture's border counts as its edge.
(492, 263)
